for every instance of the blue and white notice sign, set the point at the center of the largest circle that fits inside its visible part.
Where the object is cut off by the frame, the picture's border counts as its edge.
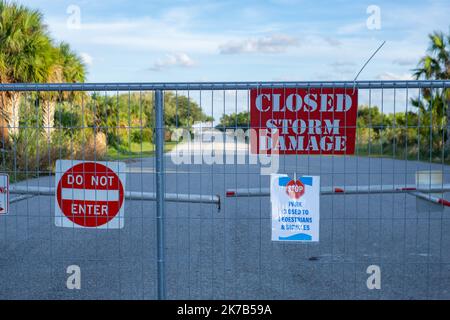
(295, 208)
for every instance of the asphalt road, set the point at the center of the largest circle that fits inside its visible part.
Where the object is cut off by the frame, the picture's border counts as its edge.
(229, 254)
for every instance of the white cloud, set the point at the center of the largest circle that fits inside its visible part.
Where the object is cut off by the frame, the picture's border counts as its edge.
(334, 42)
(394, 76)
(344, 68)
(151, 35)
(277, 43)
(179, 59)
(341, 64)
(87, 58)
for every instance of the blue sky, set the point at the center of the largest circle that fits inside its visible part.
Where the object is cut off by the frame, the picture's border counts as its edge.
(134, 41)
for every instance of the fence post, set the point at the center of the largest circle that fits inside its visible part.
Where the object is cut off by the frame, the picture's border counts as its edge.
(160, 191)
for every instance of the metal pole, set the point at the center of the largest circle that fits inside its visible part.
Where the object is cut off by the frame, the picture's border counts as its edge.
(160, 190)
(180, 86)
(129, 195)
(371, 189)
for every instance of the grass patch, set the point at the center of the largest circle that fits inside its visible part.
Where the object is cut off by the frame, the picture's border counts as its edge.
(401, 153)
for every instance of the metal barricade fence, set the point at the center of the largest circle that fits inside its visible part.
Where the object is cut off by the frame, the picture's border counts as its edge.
(196, 218)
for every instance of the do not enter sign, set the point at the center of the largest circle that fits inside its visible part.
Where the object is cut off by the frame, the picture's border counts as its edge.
(89, 194)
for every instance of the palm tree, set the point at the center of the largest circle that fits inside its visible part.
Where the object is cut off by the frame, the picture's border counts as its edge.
(3, 113)
(436, 66)
(26, 55)
(74, 70)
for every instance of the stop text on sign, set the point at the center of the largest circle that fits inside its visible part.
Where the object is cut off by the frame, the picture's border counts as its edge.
(303, 121)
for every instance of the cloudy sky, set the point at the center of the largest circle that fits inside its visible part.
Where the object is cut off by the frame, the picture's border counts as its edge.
(232, 40)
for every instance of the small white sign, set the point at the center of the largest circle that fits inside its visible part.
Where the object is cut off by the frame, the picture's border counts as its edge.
(4, 193)
(295, 208)
(90, 194)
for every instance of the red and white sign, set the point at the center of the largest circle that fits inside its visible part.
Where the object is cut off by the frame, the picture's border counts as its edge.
(303, 121)
(4, 193)
(90, 194)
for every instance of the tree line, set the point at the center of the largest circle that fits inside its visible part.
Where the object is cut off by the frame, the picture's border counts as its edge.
(87, 124)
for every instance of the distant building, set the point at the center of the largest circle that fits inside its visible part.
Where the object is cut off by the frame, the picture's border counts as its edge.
(203, 125)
